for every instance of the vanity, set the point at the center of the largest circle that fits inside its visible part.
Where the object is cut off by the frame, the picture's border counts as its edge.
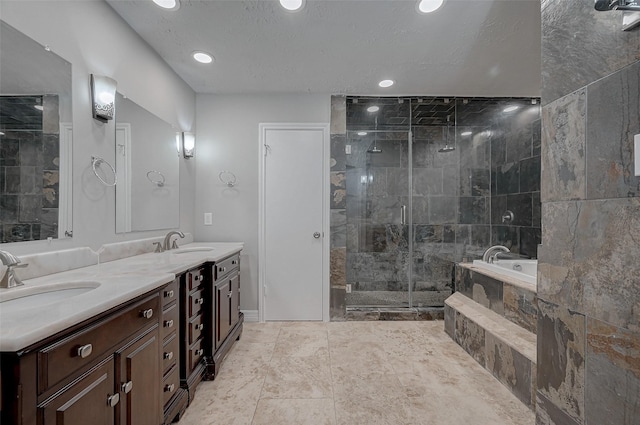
(120, 342)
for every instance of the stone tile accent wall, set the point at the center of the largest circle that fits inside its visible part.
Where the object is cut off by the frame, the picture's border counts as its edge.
(29, 168)
(589, 274)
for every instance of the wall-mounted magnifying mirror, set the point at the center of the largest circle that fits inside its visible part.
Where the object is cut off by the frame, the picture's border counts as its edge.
(147, 166)
(35, 140)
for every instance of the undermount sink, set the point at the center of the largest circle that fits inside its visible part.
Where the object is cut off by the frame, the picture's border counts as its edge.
(191, 249)
(20, 298)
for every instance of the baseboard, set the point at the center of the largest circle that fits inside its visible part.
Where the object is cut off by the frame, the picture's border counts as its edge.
(250, 315)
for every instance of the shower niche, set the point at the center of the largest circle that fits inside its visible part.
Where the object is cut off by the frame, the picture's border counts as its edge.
(421, 175)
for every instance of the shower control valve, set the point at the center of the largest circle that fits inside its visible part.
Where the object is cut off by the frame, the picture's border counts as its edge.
(507, 217)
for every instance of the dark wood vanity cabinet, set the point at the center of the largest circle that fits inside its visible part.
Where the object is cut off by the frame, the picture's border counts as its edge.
(226, 316)
(103, 371)
(194, 303)
(139, 363)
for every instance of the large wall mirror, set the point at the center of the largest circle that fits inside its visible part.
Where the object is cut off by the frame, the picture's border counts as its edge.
(35, 140)
(147, 167)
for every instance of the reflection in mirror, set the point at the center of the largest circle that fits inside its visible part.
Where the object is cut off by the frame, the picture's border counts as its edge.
(147, 166)
(35, 140)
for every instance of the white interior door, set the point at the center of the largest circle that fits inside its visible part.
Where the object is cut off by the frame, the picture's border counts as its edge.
(293, 223)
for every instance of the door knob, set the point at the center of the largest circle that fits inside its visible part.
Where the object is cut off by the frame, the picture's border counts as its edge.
(316, 235)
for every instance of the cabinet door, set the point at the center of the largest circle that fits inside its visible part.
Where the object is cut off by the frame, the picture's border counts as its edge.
(223, 320)
(89, 400)
(234, 307)
(139, 380)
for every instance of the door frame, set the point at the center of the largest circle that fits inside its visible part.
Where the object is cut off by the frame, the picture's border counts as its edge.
(263, 128)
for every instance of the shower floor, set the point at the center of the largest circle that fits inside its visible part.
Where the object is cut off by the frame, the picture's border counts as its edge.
(396, 298)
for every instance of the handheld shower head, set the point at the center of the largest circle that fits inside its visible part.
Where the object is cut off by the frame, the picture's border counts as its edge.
(447, 148)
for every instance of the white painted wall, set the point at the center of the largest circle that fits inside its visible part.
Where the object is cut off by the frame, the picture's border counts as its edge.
(227, 139)
(91, 36)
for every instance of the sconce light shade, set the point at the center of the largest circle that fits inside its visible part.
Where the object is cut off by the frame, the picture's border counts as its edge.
(103, 95)
(178, 141)
(188, 144)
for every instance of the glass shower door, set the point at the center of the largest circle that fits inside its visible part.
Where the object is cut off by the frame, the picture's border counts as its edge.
(378, 210)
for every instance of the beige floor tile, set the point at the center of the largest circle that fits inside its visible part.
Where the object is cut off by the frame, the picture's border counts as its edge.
(298, 377)
(351, 373)
(261, 332)
(295, 412)
(302, 341)
(439, 410)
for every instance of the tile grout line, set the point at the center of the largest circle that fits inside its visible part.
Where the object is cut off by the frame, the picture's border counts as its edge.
(253, 418)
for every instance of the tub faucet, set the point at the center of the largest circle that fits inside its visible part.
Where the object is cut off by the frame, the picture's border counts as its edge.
(490, 253)
(167, 245)
(10, 280)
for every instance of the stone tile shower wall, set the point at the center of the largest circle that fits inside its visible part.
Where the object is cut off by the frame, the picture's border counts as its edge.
(452, 192)
(589, 273)
(514, 163)
(29, 168)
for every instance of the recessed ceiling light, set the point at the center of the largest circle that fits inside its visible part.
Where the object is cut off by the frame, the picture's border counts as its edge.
(373, 108)
(466, 133)
(362, 133)
(168, 4)
(510, 108)
(385, 83)
(292, 5)
(428, 6)
(39, 107)
(203, 57)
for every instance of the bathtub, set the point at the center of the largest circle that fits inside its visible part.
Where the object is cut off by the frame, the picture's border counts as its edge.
(525, 270)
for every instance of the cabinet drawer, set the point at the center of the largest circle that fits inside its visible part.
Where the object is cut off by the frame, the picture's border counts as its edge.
(196, 300)
(195, 354)
(60, 360)
(195, 278)
(170, 320)
(170, 352)
(196, 328)
(170, 384)
(170, 293)
(226, 266)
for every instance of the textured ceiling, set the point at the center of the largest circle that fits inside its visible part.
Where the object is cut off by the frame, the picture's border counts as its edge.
(467, 48)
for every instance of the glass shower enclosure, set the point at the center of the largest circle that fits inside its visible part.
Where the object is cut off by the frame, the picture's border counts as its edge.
(401, 182)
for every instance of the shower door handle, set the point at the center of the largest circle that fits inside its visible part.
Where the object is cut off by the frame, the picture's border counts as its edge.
(403, 215)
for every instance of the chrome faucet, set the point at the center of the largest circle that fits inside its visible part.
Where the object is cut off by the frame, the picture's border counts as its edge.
(10, 280)
(490, 254)
(167, 245)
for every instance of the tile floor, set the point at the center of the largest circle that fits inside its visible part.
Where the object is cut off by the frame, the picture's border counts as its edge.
(351, 373)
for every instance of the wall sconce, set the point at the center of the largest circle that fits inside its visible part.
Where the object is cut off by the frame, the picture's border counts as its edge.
(188, 144)
(178, 141)
(103, 95)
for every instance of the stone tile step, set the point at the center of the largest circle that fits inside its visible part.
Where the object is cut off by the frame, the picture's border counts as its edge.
(515, 300)
(500, 346)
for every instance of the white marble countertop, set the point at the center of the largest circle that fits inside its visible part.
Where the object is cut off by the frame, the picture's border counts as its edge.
(112, 283)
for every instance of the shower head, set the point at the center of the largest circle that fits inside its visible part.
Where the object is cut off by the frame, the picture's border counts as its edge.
(374, 149)
(447, 148)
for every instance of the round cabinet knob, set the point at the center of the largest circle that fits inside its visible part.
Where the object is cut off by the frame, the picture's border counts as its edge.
(113, 400)
(148, 313)
(168, 294)
(199, 352)
(168, 356)
(85, 351)
(200, 301)
(169, 388)
(127, 387)
(199, 326)
(168, 323)
(230, 294)
(316, 235)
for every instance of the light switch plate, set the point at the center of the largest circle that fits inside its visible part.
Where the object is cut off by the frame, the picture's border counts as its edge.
(208, 219)
(636, 153)
(348, 288)
(347, 149)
